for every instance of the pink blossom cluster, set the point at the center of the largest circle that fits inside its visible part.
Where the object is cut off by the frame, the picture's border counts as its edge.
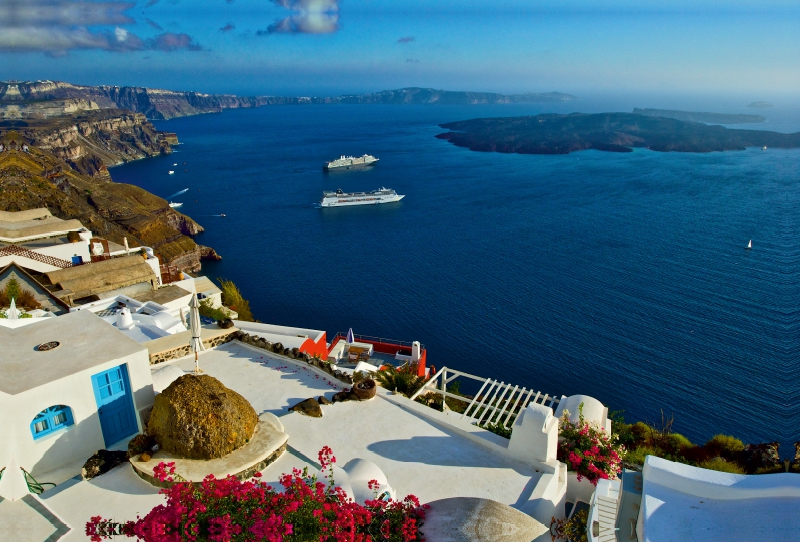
(588, 450)
(231, 510)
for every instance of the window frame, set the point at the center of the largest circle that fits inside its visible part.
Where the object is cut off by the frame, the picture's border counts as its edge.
(49, 415)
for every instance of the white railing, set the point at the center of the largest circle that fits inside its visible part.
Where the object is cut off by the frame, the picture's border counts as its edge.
(495, 403)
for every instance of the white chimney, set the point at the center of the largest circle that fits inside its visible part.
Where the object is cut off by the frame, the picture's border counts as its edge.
(124, 318)
(415, 351)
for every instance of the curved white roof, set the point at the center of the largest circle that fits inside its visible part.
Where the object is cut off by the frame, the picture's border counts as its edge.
(681, 502)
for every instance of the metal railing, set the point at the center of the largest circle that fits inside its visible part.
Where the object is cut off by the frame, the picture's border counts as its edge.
(383, 340)
(495, 403)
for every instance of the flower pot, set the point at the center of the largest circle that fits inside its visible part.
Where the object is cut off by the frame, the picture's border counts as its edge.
(365, 389)
(579, 490)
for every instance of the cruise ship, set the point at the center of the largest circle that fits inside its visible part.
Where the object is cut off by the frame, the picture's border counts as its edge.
(347, 162)
(341, 199)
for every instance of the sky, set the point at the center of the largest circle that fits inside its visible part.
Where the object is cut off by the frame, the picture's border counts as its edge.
(743, 48)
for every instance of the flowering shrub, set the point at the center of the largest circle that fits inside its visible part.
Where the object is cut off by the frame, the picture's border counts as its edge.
(230, 510)
(588, 450)
(572, 529)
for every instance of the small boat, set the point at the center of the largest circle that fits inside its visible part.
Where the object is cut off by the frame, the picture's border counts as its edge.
(175, 205)
(764, 148)
(750, 244)
(222, 214)
(171, 172)
(175, 164)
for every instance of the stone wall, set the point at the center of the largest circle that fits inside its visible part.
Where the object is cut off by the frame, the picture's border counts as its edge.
(185, 350)
(294, 353)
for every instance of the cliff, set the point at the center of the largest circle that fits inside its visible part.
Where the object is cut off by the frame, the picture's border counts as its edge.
(159, 104)
(40, 178)
(92, 141)
(615, 132)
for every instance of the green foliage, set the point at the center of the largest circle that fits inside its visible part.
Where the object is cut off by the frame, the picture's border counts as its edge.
(638, 455)
(404, 380)
(358, 376)
(724, 446)
(12, 289)
(498, 429)
(721, 465)
(679, 443)
(573, 529)
(232, 297)
(23, 298)
(209, 311)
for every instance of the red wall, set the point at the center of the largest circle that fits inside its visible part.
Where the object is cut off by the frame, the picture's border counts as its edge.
(319, 348)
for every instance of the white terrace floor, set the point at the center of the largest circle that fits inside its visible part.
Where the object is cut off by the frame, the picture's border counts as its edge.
(417, 456)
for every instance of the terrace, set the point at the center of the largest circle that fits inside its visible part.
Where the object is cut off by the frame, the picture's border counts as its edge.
(420, 450)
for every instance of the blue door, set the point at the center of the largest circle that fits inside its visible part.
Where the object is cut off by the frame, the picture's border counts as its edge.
(114, 404)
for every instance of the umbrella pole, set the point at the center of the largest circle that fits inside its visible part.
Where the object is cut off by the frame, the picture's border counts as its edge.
(197, 370)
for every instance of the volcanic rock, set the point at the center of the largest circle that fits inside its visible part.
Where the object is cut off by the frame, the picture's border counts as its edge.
(309, 407)
(761, 456)
(324, 400)
(197, 417)
(227, 323)
(102, 462)
(345, 395)
(140, 443)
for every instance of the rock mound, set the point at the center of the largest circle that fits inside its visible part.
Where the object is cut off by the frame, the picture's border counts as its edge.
(197, 417)
(102, 462)
(309, 407)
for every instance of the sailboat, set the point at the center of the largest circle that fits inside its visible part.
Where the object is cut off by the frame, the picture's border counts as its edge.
(750, 244)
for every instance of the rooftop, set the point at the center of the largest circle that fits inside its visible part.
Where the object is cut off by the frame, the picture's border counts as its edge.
(85, 342)
(418, 456)
(23, 225)
(101, 277)
(165, 294)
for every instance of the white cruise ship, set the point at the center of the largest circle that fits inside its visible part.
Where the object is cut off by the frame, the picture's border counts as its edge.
(342, 199)
(347, 162)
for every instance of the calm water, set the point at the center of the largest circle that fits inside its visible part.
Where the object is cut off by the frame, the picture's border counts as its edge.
(621, 276)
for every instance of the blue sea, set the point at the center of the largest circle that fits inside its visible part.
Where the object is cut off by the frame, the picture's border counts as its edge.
(620, 276)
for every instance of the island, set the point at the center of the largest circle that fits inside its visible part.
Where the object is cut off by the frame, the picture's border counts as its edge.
(694, 116)
(161, 104)
(760, 104)
(615, 132)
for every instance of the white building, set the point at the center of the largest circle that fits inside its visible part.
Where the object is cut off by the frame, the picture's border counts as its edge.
(37, 240)
(673, 502)
(69, 386)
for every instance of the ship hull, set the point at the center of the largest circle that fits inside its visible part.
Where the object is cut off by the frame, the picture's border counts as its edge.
(362, 201)
(326, 167)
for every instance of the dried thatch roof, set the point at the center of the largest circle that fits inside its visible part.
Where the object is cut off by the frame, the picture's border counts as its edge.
(33, 223)
(99, 277)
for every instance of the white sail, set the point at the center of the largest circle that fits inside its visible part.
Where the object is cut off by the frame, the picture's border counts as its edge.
(750, 244)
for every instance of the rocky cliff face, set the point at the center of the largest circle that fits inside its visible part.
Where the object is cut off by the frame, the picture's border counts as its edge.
(39, 178)
(93, 141)
(162, 104)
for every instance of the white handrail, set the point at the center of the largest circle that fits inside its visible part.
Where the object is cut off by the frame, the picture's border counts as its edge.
(495, 401)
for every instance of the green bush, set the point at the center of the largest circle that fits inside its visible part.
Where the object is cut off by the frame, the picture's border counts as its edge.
(209, 311)
(232, 298)
(679, 443)
(404, 380)
(724, 446)
(721, 465)
(498, 429)
(638, 455)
